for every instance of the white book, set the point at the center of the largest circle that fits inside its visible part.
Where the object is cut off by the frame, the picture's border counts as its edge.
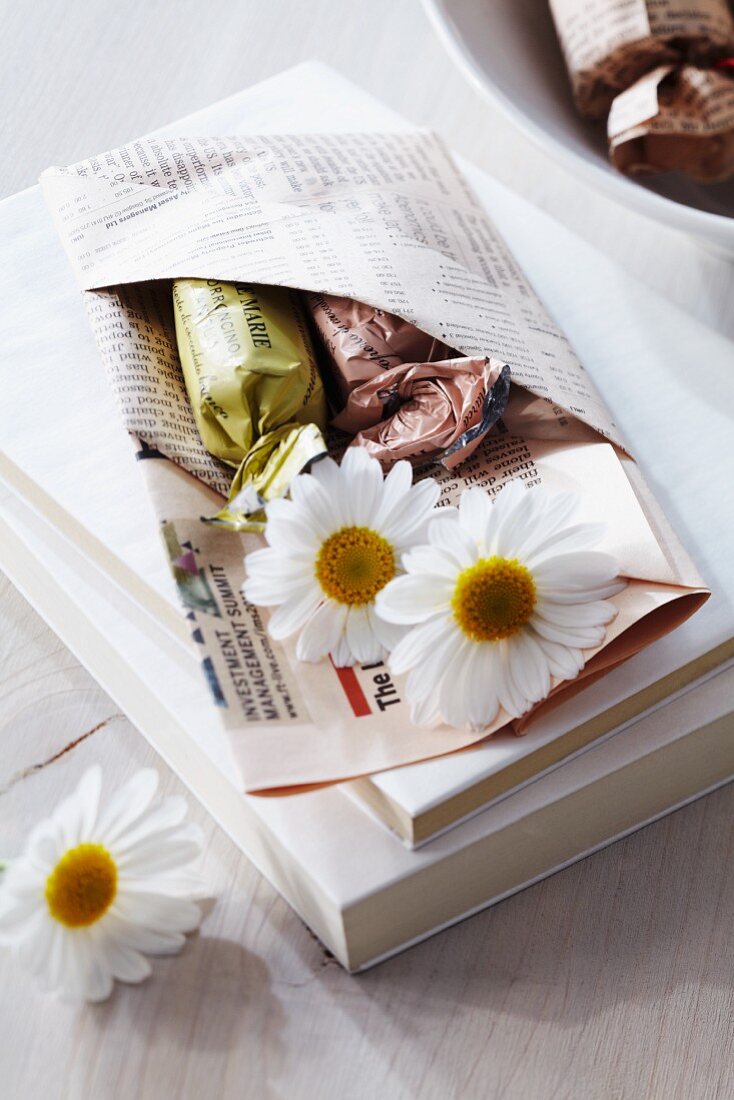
(81, 542)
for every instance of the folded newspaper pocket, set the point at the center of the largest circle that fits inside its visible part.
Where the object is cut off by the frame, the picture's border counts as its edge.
(387, 221)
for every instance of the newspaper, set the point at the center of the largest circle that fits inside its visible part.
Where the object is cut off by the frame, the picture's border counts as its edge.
(660, 72)
(386, 219)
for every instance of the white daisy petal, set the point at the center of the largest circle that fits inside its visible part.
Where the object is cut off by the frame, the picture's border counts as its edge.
(267, 566)
(577, 637)
(396, 487)
(511, 523)
(291, 589)
(428, 676)
(311, 496)
(594, 613)
(582, 536)
(474, 512)
(449, 535)
(158, 913)
(575, 571)
(388, 634)
(63, 973)
(481, 686)
(581, 595)
(511, 699)
(424, 712)
(503, 503)
(361, 486)
(139, 938)
(45, 846)
(295, 538)
(413, 598)
(453, 694)
(326, 472)
(368, 493)
(66, 970)
(165, 850)
(528, 668)
(406, 523)
(129, 803)
(357, 459)
(17, 916)
(342, 656)
(60, 962)
(417, 645)
(554, 512)
(291, 616)
(97, 985)
(167, 814)
(322, 632)
(35, 951)
(128, 965)
(361, 636)
(24, 878)
(430, 559)
(564, 662)
(74, 816)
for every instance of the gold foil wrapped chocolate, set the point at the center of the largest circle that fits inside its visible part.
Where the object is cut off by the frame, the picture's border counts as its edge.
(659, 72)
(419, 411)
(251, 376)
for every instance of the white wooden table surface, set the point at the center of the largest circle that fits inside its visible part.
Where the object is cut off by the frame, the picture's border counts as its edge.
(611, 980)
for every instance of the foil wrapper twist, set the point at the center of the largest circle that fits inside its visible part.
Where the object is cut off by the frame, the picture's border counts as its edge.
(400, 392)
(660, 73)
(251, 376)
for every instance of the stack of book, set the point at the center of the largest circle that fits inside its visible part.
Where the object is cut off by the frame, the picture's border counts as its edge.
(383, 861)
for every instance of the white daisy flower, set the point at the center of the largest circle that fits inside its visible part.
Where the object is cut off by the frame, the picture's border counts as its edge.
(332, 547)
(505, 597)
(101, 885)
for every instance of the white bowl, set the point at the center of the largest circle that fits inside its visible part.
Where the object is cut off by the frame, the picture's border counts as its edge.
(509, 50)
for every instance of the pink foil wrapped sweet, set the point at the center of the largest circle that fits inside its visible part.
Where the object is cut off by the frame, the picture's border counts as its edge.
(427, 410)
(402, 393)
(362, 341)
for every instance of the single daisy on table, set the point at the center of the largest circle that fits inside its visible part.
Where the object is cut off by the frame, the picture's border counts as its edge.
(100, 885)
(503, 597)
(332, 547)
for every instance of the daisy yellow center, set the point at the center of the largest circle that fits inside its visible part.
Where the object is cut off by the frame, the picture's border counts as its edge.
(353, 565)
(493, 599)
(82, 885)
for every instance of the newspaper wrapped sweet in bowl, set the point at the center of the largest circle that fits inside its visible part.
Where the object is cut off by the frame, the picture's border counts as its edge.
(660, 74)
(510, 51)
